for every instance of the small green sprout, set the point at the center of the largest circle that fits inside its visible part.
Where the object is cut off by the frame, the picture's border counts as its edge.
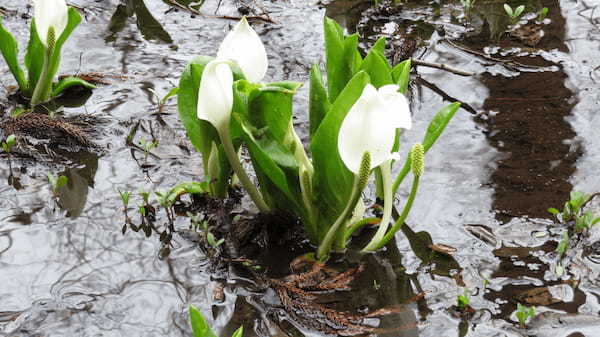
(200, 327)
(542, 14)
(56, 183)
(147, 146)
(463, 300)
(10, 141)
(210, 238)
(585, 222)
(125, 198)
(376, 285)
(513, 14)
(524, 313)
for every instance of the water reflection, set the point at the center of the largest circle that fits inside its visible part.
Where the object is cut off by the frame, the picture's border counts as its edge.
(525, 121)
(73, 196)
(150, 28)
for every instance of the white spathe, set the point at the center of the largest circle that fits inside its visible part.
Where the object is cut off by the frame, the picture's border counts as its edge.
(243, 45)
(50, 13)
(215, 95)
(370, 126)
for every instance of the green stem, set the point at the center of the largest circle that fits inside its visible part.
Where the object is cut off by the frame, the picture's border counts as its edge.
(325, 245)
(411, 198)
(234, 161)
(388, 203)
(360, 223)
(360, 181)
(43, 88)
(400, 177)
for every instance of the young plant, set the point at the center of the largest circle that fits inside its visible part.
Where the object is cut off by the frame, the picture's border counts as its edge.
(524, 313)
(542, 14)
(52, 24)
(9, 143)
(56, 183)
(147, 146)
(355, 123)
(468, 6)
(513, 15)
(573, 212)
(463, 300)
(201, 329)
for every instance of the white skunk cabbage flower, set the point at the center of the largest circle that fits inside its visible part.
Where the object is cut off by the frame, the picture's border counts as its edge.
(50, 13)
(244, 46)
(215, 95)
(370, 126)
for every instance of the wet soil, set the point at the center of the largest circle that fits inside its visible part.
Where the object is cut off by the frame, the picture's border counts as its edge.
(525, 137)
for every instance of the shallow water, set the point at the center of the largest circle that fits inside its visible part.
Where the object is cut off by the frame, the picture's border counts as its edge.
(526, 138)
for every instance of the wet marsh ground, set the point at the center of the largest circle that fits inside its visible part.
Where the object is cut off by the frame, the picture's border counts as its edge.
(525, 137)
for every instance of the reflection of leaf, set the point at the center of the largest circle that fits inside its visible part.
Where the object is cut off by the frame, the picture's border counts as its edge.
(150, 28)
(420, 244)
(194, 4)
(147, 24)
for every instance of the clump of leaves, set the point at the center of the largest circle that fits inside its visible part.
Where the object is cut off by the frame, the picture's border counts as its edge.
(513, 14)
(542, 14)
(463, 300)
(200, 327)
(573, 212)
(57, 182)
(524, 313)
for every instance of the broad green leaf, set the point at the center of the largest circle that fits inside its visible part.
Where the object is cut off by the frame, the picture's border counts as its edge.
(318, 101)
(378, 68)
(34, 58)
(200, 132)
(68, 82)
(401, 75)
(334, 55)
(438, 124)
(271, 160)
(379, 46)
(199, 326)
(332, 180)
(271, 107)
(434, 130)
(10, 51)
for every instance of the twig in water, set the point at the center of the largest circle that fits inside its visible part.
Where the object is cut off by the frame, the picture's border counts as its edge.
(444, 95)
(442, 67)
(264, 18)
(509, 63)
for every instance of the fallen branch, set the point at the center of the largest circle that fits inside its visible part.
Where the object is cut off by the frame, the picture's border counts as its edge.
(509, 63)
(441, 66)
(444, 95)
(264, 18)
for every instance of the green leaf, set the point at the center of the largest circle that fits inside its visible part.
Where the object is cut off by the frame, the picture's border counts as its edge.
(239, 332)
(34, 58)
(438, 124)
(69, 82)
(519, 10)
(401, 75)
(342, 57)
(186, 188)
(74, 20)
(318, 101)
(271, 106)
(376, 65)
(553, 211)
(171, 93)
(61, 181)
(334, 55)
(199, 326)
(200, 132)
(332, 180)
(271, 160)
(10, 51)
(379, 46)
